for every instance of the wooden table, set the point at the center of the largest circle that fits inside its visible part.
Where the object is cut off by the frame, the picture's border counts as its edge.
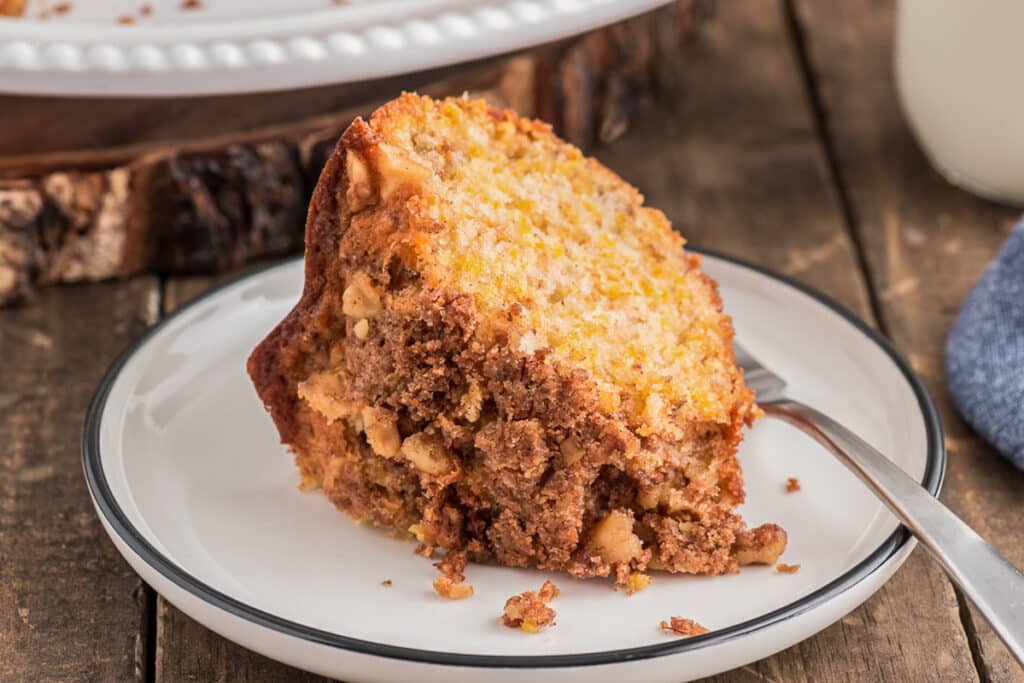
(788, 149)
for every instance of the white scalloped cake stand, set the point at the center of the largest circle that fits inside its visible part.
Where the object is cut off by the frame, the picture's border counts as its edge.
(235, 46)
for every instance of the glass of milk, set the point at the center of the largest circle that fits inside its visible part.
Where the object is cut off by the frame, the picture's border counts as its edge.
(960, 77)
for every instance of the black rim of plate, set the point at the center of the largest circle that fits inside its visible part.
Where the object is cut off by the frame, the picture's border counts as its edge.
(96, 478)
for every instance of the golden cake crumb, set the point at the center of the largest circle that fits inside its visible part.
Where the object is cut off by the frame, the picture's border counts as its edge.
(386, 583)
(126, 20)
(678, 626)
(637, 582)
(529, 612)
(453, 564)
(787, 568)
(792, 485)
(452, 590)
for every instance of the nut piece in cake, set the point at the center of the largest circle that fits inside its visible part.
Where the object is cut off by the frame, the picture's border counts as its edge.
(763, 545)
(500, 347)
(529, 611)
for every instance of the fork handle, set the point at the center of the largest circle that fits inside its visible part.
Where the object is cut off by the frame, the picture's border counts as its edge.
(994, 585)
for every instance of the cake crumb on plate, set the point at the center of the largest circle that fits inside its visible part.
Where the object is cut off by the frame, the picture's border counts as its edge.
(637, 582)
(453, 590)
(453, 565)
(787, 568)
(529, 611)
(679, 626)
(792, 485)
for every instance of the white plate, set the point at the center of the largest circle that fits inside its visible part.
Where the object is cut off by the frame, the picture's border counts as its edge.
(233, 46)
(192, 486)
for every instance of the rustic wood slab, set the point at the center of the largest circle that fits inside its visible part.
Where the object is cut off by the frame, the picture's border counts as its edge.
(70, 608)
(926, 243)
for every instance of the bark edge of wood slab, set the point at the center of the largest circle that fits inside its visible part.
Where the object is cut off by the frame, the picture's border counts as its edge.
(210, 206)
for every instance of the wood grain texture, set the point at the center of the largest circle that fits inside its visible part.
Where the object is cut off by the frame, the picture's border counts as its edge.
(739, 168)
(70, 608)
(926, 243)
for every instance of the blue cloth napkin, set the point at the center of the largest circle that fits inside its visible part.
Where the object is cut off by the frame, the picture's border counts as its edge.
(985, 353)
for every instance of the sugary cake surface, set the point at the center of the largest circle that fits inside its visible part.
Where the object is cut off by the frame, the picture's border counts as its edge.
(502, 352)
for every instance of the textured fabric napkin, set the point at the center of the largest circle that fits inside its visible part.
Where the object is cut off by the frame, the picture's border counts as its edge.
(985, 353)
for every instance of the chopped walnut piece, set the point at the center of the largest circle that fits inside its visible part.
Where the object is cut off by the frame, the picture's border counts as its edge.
(472, 401)
(787, 568)
(360, 193)
(678, 626)
(637, 582)
(360, 299)
(613, 538)
(570, 451)
(428, 453)
(792, 485)
(322, 392)
(397, 169)
(762, 545)
(447, 588)
(361, 328)
(529, 612)
(381, 427)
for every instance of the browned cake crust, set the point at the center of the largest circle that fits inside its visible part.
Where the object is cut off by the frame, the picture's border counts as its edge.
(411, 413)
(12, 8)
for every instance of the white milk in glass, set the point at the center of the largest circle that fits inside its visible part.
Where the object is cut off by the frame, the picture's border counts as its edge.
(960, 74)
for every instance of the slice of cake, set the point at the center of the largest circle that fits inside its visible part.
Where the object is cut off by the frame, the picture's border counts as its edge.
(500, 351)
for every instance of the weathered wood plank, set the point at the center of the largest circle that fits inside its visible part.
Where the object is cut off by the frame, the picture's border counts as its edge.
(185, 649)
(70, 608)
(926, 243)
(739, 168)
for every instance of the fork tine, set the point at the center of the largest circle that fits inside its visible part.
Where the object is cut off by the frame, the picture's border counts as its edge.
(765, 383)
(743, 357)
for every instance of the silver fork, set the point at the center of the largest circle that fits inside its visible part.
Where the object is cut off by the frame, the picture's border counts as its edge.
(994, 585)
